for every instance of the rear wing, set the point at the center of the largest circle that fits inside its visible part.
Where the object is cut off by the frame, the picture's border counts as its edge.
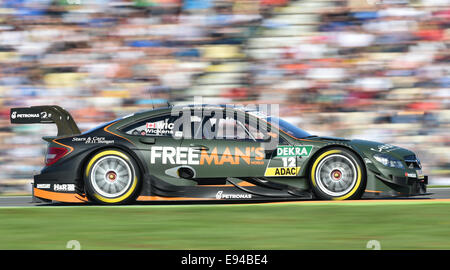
(51, 114)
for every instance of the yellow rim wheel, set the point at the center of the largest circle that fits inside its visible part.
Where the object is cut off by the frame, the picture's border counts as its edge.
(336, 175)
(111, 176)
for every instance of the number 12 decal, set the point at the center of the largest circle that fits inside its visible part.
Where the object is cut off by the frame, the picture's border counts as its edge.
(288, 161)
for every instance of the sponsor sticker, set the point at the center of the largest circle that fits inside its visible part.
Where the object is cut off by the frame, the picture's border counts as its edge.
(292, 151)
(92, 140)
(64, 187)
(101, 140)
(15, 115)
(43, 186)
(384, 148)
(282, 171)
(191, 156)
(153, 131)
(25, 115)
(160, 127)
(220, 195)
(46, 116)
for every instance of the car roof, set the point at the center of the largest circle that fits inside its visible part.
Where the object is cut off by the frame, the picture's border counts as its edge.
(140, 115)
(200, 106)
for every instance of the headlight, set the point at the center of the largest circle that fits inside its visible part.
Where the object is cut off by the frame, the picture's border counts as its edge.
(388, 161)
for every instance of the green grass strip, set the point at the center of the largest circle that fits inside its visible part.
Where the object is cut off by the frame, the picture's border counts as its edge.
(347, 225)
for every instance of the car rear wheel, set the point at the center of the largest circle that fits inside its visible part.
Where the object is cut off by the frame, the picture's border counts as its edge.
(337, 174)
(112, 177)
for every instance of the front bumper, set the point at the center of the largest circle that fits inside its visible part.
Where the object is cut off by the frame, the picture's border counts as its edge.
(395, 186)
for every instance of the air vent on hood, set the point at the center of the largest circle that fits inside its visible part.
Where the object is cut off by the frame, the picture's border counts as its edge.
(334, 139)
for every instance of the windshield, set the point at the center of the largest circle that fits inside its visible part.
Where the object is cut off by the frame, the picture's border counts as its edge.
(288, 128)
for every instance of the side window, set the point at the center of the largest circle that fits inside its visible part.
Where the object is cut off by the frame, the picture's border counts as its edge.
(234, 129)
(230, 129)
(195, 130)
(256, 133)
(161, 126)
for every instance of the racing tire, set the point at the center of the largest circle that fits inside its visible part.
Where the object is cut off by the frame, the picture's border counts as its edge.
(337, 174)
(112, 177)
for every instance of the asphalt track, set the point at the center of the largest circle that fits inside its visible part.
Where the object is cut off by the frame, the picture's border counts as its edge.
(18, 201)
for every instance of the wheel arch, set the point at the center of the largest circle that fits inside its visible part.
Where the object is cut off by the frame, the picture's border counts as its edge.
(81, 184)
(330, 146)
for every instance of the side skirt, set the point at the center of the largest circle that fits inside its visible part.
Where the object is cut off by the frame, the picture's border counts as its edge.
(157, 189)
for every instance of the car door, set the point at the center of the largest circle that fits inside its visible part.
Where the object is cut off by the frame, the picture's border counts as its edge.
(226, 148)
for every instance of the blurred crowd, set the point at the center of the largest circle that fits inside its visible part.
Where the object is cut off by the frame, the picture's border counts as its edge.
(369, 69)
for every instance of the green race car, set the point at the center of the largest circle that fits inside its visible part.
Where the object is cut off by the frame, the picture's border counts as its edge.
(212, 152)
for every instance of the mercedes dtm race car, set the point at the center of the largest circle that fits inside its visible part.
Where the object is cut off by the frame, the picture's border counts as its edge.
(150, 156)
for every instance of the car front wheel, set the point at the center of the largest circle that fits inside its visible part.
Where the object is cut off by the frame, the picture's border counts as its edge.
(337, 174)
